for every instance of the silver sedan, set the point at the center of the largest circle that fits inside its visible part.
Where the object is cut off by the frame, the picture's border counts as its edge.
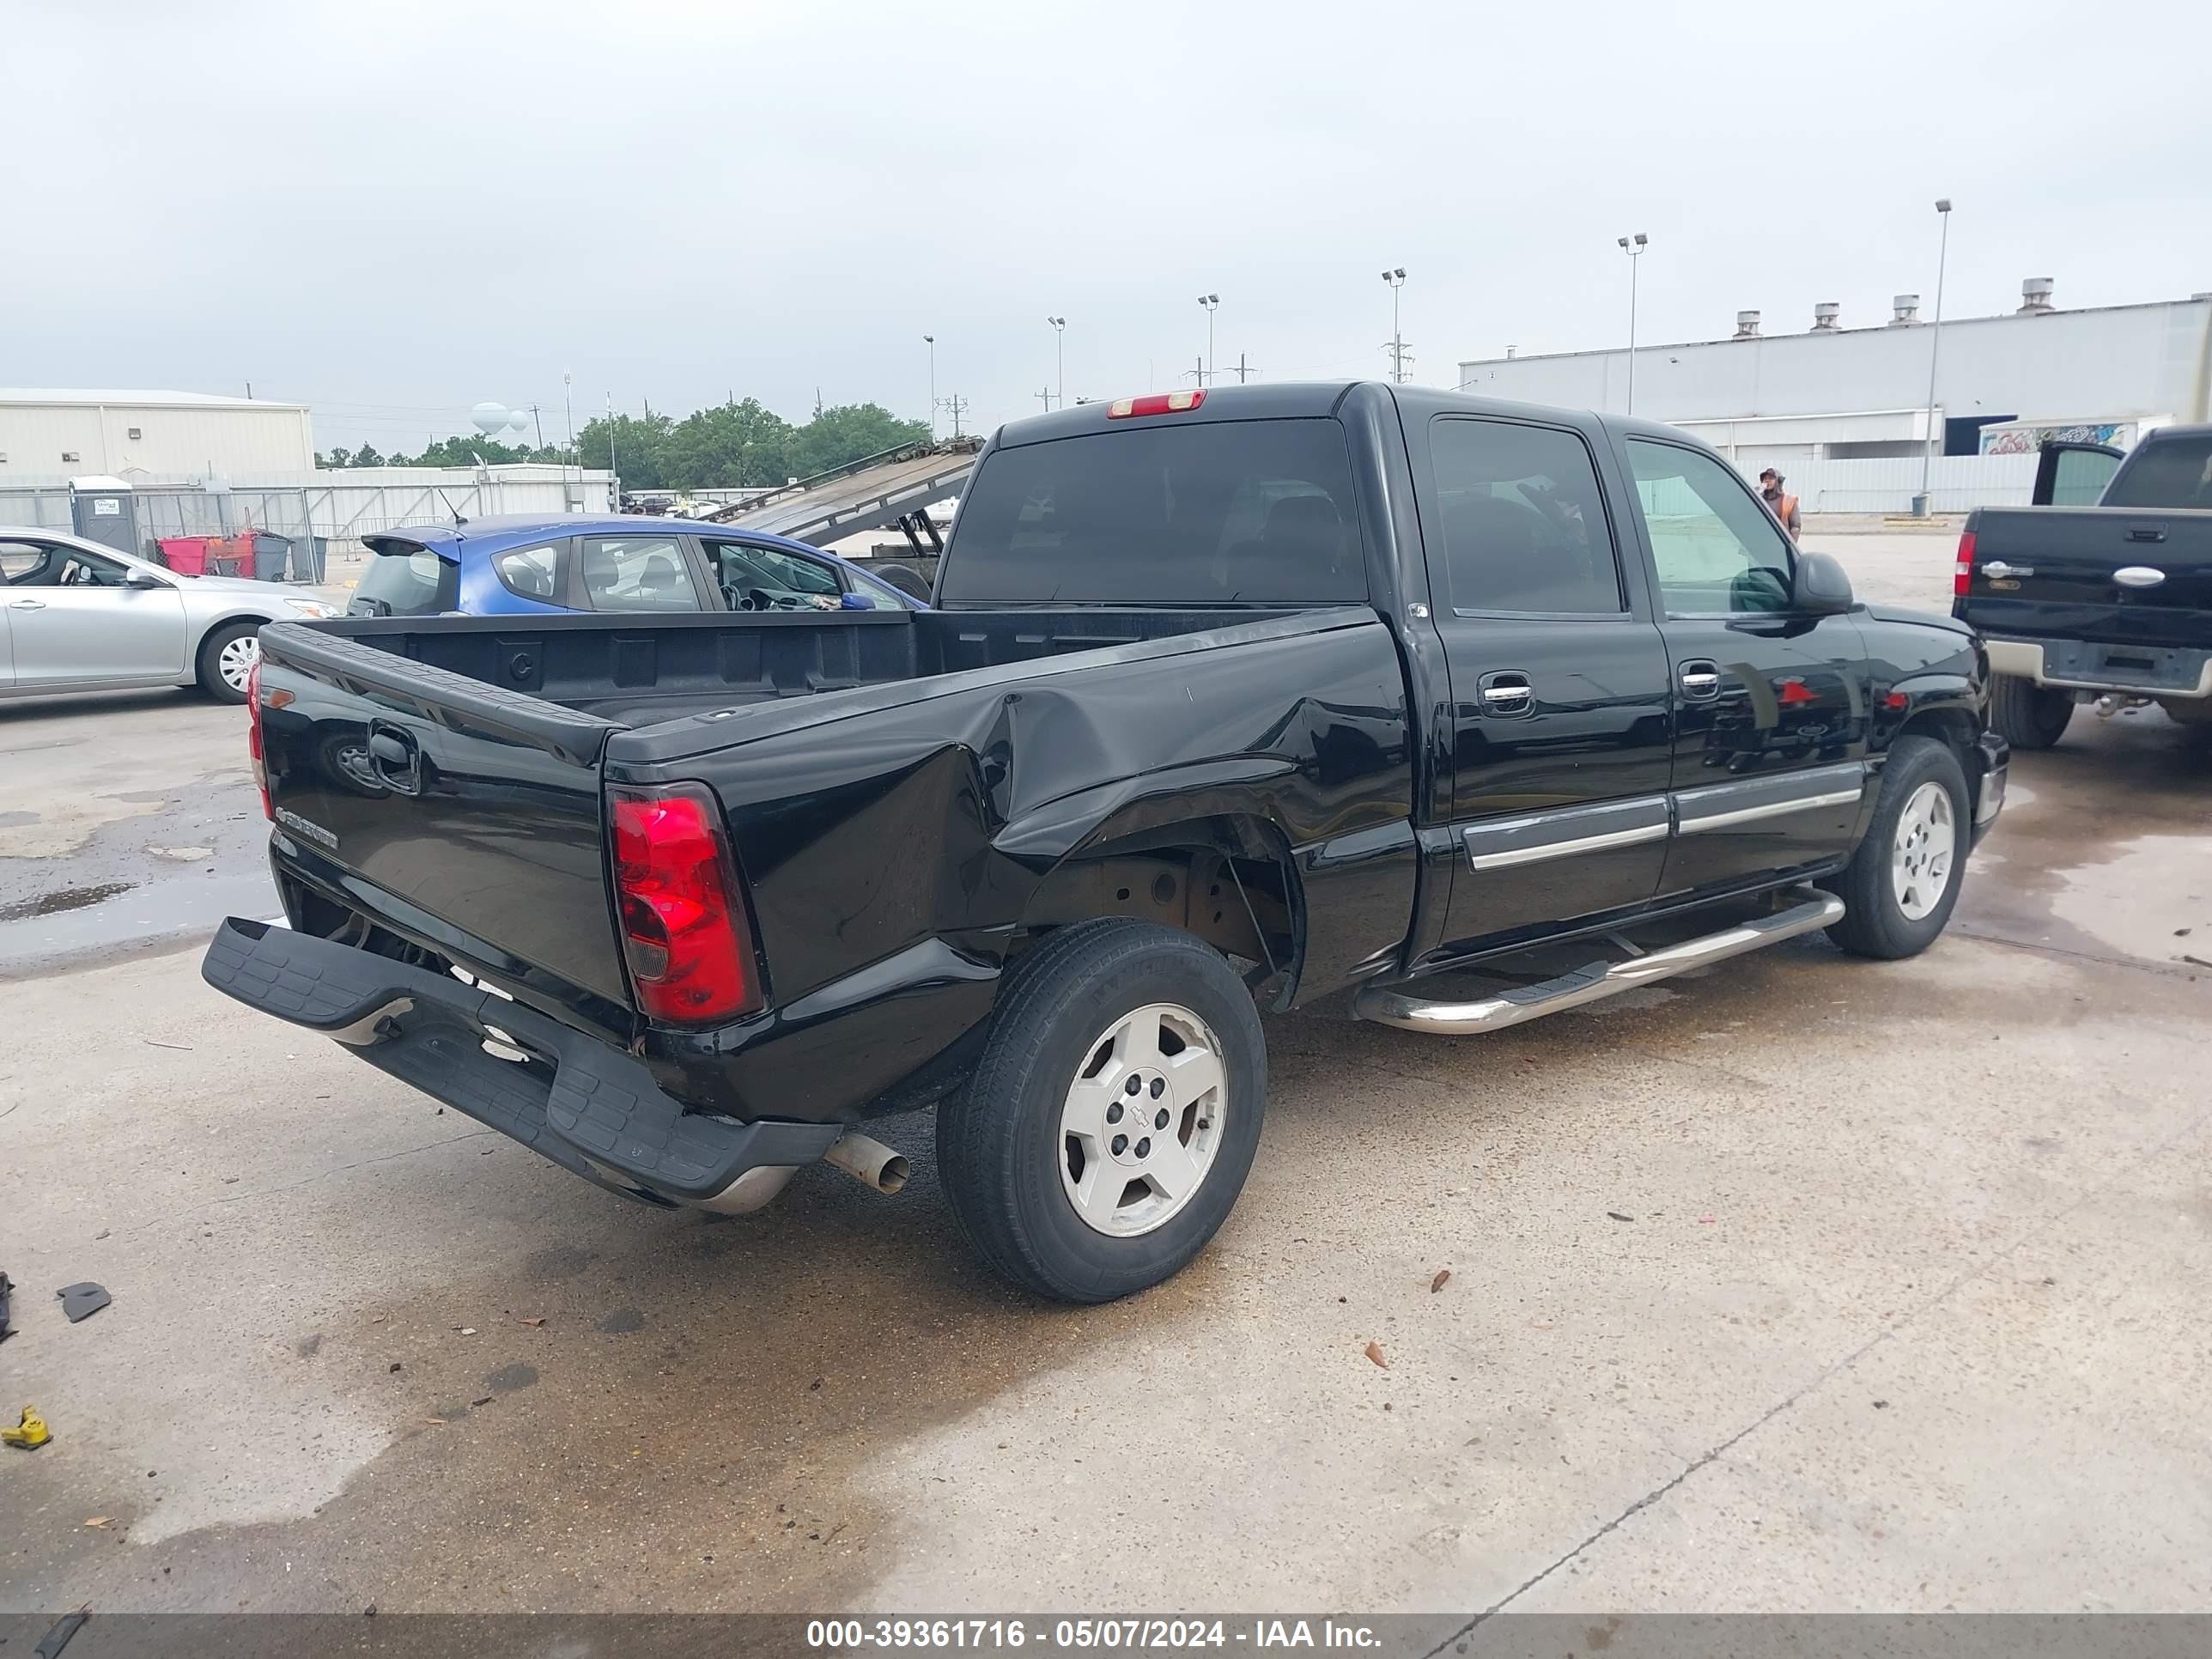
(78, 616)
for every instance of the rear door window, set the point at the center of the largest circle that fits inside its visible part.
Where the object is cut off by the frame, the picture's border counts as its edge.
(636, 573)
(1164, 515)
(1521, 520)
(405, 582)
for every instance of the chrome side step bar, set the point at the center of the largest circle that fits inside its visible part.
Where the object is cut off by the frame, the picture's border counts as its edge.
(1391, 1005)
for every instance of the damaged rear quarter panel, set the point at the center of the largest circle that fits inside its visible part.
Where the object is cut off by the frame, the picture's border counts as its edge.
(891, 854)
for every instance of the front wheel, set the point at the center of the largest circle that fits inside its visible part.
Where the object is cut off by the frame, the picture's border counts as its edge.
(1114, 1113)
(1900, 886)
(2028, 715)
(227, 657)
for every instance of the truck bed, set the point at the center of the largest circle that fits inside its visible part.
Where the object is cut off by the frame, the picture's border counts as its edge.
(447, 776)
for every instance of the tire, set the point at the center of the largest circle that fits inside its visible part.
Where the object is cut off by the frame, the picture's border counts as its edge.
(2028, 715)
(1888, 912)
(1020, 1180)
(217, 656)
(904, 577)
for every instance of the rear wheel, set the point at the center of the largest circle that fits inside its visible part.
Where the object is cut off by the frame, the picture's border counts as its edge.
(1114, 1113)
(1900, 886)
(227, 657)
(2028, 715)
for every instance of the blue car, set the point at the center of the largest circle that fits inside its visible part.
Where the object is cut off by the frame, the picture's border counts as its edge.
(530, 564)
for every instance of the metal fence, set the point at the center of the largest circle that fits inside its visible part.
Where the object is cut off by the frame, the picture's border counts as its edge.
(1956, 483)
(320, 521)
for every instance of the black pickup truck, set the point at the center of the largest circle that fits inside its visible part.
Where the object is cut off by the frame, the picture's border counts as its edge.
(2112, 602)
(1231, 701)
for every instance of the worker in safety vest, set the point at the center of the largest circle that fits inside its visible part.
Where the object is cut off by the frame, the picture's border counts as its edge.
(1785, 507)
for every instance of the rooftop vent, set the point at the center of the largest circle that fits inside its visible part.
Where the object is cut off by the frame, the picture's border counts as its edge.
(2035, 295)
(1746, 326)
(1905, 311)
(1825, 315)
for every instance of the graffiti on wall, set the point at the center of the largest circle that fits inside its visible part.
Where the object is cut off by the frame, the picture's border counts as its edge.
(2027, 440)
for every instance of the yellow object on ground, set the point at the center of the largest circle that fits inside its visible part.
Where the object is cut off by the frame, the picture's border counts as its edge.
(31, 1432)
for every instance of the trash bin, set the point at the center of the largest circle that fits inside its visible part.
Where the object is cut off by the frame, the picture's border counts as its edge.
(185, 554)
(271, 552)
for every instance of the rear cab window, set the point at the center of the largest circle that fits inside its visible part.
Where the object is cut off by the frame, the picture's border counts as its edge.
(403, 579)
(2174, 473)
(1164, 515)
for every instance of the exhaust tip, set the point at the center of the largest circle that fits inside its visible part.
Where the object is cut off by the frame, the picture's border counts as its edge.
(893, 1176)
(869, 1161)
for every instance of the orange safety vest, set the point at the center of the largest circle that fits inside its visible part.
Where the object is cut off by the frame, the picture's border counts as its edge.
(1784, 507)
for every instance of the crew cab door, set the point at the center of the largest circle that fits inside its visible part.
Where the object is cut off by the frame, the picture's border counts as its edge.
(2074, 475)
(1771, 724)
(1558, 680)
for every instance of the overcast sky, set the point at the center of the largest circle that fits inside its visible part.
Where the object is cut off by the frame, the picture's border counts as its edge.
(393, 211)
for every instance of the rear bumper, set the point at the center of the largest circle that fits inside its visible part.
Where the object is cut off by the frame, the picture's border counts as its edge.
(2091, 665)
(1989, 798)
(589, 1108)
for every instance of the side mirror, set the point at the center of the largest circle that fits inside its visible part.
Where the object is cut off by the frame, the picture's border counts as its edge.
(1820, 586)
(137, 578)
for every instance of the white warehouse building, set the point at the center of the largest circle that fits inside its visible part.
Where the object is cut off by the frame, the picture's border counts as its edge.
(49, 436)
(1832, 394)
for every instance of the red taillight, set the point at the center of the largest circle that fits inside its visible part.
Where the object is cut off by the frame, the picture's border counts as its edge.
(681, 912)
(253, 737)
(1160, 403)
(1962, 573)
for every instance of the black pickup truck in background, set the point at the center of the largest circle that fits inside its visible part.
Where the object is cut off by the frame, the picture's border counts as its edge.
(1232, 701)
(2111, 603)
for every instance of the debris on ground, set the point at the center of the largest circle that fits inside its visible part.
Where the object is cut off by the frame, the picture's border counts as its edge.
(1615, 1215)
(2197, 962)
(98, 1520)
(7, 1289)
(530, 1321)
(1443, 1277)
(1375, 1353)
(56, 1639)
(156, 1043)
(30, 1433)
(466, 1330)
(83, 1300)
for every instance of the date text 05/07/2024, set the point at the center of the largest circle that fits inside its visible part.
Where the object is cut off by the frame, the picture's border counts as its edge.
(853, 1634)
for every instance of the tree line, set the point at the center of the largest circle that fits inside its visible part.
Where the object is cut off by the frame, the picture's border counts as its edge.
(731, 446)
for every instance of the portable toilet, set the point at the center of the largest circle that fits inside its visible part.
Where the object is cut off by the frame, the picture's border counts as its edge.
(103, 510)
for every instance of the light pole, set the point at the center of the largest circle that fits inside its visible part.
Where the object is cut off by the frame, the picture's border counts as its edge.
(930, 340)
(613, 464)
(1213, 303)
(1396, 277)
(1059, 353)
(1935, 346)
(1633, 247)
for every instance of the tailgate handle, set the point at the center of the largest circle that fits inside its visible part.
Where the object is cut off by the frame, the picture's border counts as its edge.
(395, 758)
(2146, 533)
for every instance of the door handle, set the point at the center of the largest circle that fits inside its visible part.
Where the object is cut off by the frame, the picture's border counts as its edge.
(1506, 692)
(26, 604)
(1998, 570)
(1699, 678)
(2146, 533)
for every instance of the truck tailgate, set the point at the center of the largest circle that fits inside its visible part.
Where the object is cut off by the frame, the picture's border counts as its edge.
(2053, 572)
(477, 806)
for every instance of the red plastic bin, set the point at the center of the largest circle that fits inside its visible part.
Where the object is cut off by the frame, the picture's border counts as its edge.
(187, 555)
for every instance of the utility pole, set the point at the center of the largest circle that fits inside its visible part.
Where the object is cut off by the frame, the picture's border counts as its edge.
(613, 466)
(1633, 247)
(1212, 302)
(1242, 371)
(1059, 356)
(1396, 277)
(930, 340)
(958, 406)
(1935, 345)
(1197, 375)
(541, 425)
(1047, 396)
